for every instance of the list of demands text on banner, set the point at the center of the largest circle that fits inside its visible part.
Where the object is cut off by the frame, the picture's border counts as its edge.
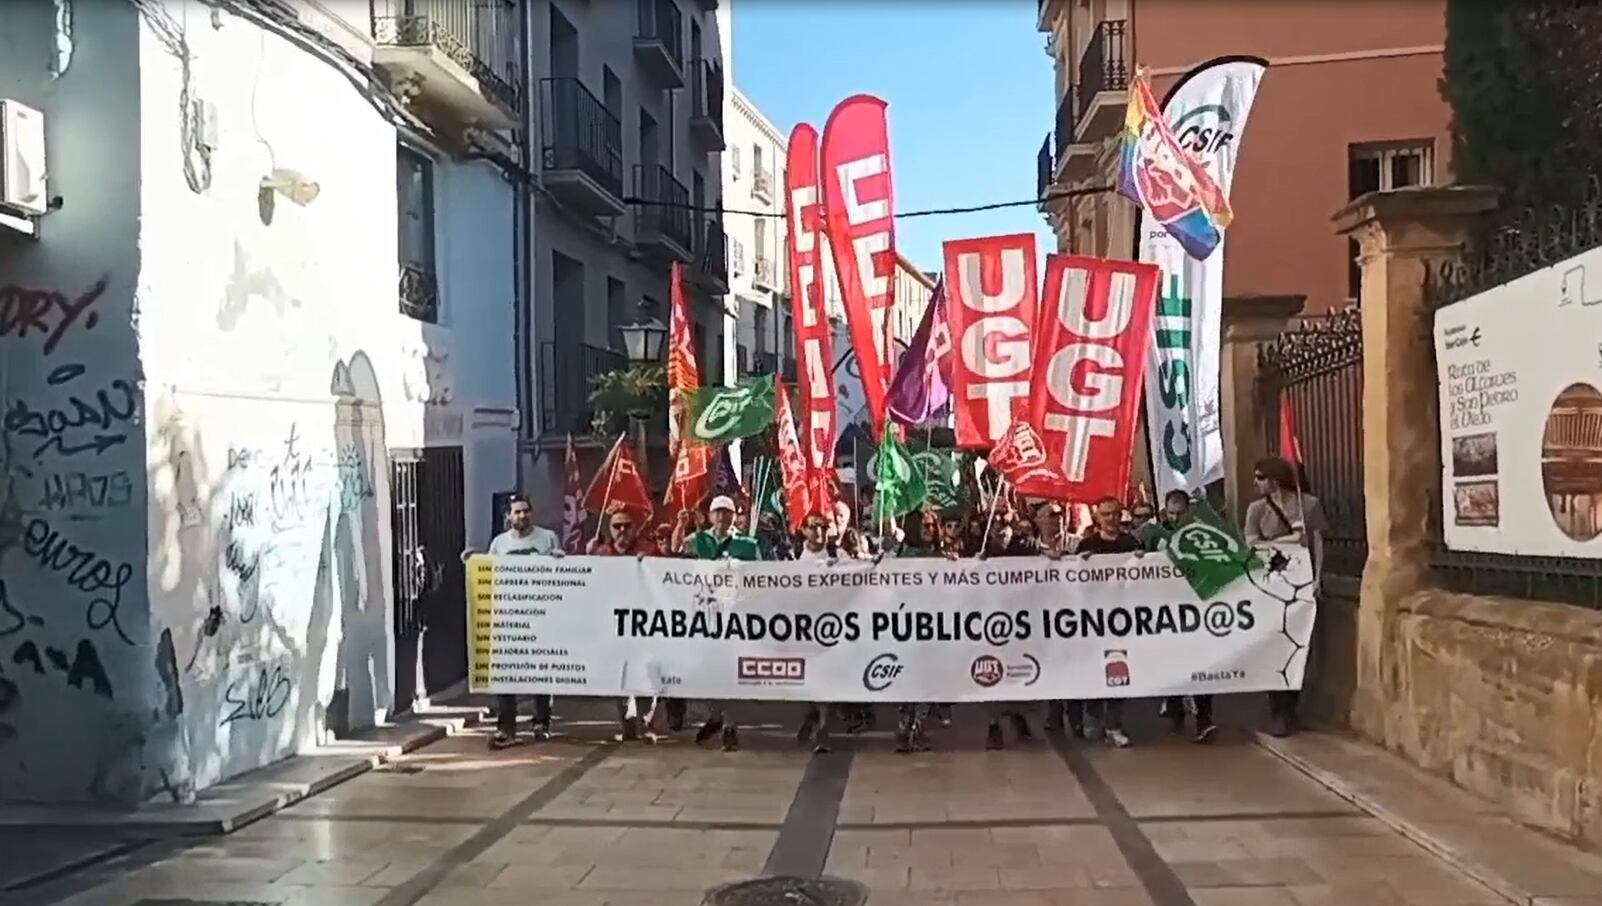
(926, 630)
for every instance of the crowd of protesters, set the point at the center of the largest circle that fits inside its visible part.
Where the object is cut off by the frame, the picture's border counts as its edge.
(1283, 511)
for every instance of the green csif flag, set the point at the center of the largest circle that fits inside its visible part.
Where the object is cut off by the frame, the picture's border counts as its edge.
(901, 487)
(1208, 551)
(721, 414)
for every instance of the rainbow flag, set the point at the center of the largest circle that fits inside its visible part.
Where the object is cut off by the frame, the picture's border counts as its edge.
(1166, 181)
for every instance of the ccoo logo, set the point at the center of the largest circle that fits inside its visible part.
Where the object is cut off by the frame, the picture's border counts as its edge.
(881, 672)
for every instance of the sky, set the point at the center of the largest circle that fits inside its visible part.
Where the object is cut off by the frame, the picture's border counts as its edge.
(969, 86)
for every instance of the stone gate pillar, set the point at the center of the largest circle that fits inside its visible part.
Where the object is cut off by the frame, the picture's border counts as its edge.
(1249, 322)
(1401, 235)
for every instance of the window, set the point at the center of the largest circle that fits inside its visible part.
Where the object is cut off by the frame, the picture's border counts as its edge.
(616, 306)
(734, 162)
(414, 200)
(611, 90)
(759, 319)
(759, 238)
(649, 144)
(1381, 167)
(756, 157)
(564, 47)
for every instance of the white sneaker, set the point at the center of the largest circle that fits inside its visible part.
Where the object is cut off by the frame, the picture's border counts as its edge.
(1117, 739)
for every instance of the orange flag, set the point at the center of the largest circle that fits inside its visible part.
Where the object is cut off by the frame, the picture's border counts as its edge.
(798, 489)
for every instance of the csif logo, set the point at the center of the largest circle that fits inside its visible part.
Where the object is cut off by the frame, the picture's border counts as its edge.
(1205, 131)
(881, 672)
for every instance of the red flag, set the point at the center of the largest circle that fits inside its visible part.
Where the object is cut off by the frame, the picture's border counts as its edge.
(814, 345)
(1020, 456)
(1290, 444)
(619, 483)
(691, 461)
(992, 311)
(1090, 360)
(859, 197)
(798, 496)
(572, 504)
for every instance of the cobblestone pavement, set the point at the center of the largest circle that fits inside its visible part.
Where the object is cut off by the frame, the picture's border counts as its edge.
(581, 822)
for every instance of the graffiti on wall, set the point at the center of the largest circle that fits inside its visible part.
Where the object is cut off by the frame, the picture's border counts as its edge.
(70, 544)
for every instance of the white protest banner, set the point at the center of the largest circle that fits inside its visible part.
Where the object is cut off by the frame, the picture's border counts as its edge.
(898, 631)
(1207, 109)
(1521, 414)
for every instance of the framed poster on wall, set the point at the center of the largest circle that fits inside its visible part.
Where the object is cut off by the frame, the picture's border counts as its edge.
(1520, 375)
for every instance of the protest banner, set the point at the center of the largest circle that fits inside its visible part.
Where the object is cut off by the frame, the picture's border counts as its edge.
(1110, 626)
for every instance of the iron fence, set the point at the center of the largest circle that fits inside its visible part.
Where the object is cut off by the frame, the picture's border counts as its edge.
(1316, 367)
(1513, 244)
(1104, 65)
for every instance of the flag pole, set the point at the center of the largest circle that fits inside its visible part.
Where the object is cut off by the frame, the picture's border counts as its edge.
(611, 477)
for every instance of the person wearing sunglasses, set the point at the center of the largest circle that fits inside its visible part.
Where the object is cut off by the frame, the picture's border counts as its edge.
(623, 539)
(1286, 513)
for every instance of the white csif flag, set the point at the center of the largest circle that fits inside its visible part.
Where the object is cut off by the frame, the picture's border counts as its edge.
(1207, 109)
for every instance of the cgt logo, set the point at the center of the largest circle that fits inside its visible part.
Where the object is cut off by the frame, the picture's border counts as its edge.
(881, 672)
(1115, 664)
(772, 670)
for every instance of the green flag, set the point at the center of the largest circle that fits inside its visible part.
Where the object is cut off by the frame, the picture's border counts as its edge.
(767, 489)
(1208, 551)
(721, 414)
(901, 488)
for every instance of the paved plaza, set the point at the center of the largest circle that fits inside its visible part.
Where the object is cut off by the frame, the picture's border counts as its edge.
(579, 821)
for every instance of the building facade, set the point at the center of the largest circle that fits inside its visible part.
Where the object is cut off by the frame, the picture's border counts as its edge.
(760, 332)
(630, 97)
(257, 349)
(1350, 104)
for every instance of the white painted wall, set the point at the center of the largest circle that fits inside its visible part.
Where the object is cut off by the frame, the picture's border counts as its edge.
(278, 374)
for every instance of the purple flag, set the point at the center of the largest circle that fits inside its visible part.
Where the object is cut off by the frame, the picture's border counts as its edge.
(922, 385)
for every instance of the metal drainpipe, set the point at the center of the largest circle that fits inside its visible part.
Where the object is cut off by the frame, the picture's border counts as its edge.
(523, 251)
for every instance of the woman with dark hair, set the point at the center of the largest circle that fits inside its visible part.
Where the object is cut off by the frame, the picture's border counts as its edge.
(1286, 513)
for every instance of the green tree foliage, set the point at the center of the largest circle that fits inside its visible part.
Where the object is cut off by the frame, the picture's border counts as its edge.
(1524, 83)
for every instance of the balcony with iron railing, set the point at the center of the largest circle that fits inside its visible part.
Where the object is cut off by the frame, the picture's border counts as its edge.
(582, 153)
(762, 184)
(457, 58)
(567, 373)
(765, 363)
(663, 222)
(1102, 91)
(765, 275)
(706, 104)
(659, 42)
(712, 256)
(736, 257)
(1045, 174)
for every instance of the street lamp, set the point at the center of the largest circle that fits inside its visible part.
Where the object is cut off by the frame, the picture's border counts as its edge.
(643, 340)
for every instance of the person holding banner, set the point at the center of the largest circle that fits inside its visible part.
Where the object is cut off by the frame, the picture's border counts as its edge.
(624, 540)
(521, 538)
(1108, 537)
(719, 541)
(815, 548)
(1285, 512)
(999, 542)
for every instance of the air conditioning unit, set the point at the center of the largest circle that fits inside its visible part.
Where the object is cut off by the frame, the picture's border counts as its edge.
(23, 185)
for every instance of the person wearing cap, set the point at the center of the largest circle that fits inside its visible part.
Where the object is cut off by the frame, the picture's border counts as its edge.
(719, 541)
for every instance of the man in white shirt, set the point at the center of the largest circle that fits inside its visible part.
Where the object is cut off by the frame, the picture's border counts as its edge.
(521, 538)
